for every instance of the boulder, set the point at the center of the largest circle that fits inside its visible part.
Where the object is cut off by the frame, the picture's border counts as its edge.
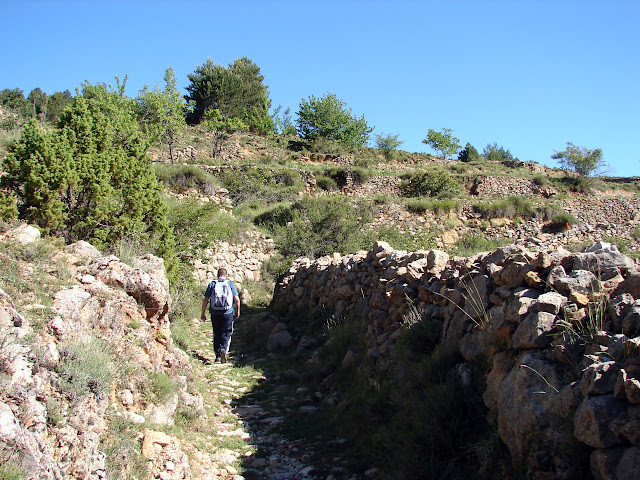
(529, 408)
(437, 261)
(604, 462)
(629, 465)
(600, 378)
(534, 331)
(551, 302)
(147, 291)
(592, 420)
(581, 281)
(279, 340)
(22, 234)
(602, 258)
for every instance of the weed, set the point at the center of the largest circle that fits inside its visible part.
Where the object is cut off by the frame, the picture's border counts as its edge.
(87, 367)
(122, 450)
(55, 413)
(161, 387)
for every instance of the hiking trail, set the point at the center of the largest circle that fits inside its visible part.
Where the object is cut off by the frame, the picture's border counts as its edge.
(267, 425)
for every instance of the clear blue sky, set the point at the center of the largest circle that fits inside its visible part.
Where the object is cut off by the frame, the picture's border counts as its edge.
(530, 75)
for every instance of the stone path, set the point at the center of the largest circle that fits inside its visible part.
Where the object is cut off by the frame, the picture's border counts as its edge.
(271, 426)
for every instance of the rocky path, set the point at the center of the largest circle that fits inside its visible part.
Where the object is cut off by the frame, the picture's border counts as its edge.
(267, 425)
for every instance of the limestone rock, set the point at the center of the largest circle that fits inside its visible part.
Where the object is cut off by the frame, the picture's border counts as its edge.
(23, 234)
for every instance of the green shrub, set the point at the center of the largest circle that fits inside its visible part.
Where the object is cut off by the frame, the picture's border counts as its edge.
(561, 220)
(431, 183)
(458, 168)
(577, 184)
(262, 183)
(327, 183)
(540, 180)
(320, 226)
(8, 207)
(276, 216)
(161, 386)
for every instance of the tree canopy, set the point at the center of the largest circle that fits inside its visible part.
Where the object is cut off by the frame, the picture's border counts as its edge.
(328, 117)
(237, 91)
(469, 154)
(583, 161)
(443, 142)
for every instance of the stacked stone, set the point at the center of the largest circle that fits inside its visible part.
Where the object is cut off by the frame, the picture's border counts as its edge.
(560, 330)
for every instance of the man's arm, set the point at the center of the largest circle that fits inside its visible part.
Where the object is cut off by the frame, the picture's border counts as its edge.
(205, 302)
(236, 302)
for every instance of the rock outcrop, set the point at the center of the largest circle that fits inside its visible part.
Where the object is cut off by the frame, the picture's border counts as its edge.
(71, 371)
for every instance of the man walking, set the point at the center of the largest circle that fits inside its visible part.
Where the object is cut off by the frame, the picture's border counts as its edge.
(221, 296)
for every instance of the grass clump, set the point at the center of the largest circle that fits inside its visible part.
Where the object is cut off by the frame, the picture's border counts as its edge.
(471, 244)
(402, 240)
(86, 365)
(180, 178)
(161, 386)
(511, 207)
(438, 207)
(562, 221)
(120, 444)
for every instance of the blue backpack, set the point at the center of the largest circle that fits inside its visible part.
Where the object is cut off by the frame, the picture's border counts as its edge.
(222, 297)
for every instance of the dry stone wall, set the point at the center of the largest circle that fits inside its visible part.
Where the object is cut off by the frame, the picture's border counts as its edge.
(242, 260)
(560, 330)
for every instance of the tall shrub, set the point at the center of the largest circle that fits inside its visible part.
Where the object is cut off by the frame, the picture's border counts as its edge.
(87, 180)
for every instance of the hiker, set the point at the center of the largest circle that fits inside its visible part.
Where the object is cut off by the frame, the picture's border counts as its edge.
(221, 296)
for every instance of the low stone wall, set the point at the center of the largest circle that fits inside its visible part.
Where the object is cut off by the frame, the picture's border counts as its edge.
(551, 381)
(242, 260)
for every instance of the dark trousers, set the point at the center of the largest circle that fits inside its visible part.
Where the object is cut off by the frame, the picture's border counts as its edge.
(222, 328)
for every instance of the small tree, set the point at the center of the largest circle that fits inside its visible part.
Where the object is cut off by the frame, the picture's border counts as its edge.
(388, 144)
(221, 128)
(469, 154)
(283, 123)
(162, 111)
(328, 117)
(583, 161)
(443, 142)
(81, 181)
(496, 153)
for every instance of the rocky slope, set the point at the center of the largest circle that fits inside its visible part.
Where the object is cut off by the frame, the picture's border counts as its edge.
(86, 356)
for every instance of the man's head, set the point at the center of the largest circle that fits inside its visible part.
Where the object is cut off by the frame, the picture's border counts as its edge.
(222, 273)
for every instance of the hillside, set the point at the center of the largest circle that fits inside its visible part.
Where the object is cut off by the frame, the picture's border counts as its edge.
(375, 341)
